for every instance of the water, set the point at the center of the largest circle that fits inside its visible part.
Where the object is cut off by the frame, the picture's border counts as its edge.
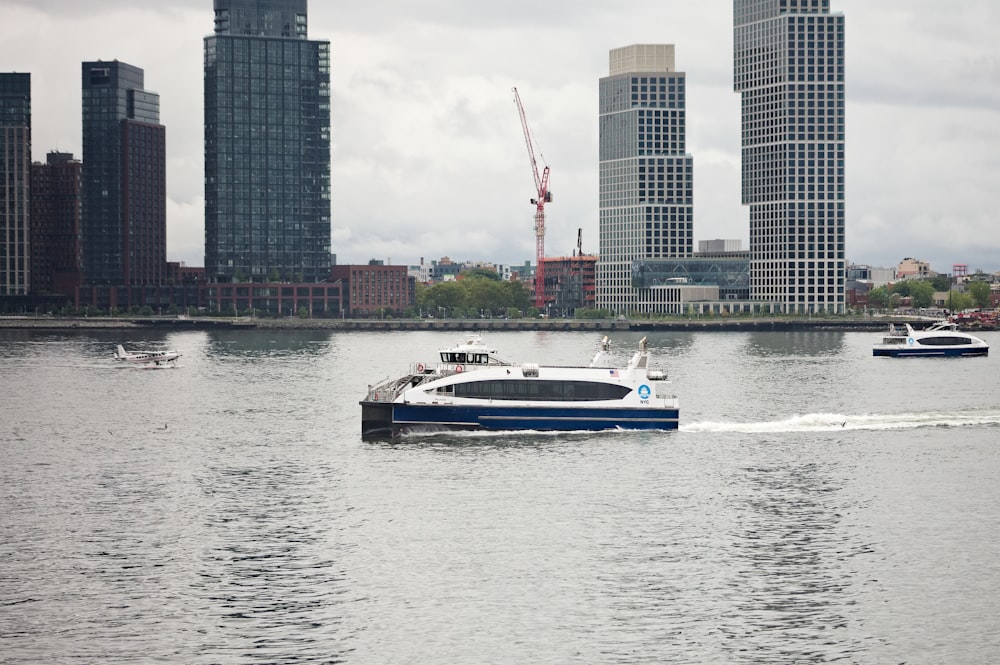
(817, 505)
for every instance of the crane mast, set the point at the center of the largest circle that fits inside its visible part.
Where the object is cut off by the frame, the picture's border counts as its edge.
(542, 196)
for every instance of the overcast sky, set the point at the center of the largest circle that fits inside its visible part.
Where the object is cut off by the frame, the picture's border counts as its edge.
(428, 158)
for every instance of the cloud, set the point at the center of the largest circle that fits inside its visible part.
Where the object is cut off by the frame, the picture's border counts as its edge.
(428, 158)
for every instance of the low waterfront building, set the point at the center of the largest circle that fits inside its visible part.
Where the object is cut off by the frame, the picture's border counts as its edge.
(376, 290)
(875, 277)
(179, 273)
(910, 268)
(315, 300)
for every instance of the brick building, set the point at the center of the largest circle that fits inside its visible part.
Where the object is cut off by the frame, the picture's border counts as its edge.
(376, 290)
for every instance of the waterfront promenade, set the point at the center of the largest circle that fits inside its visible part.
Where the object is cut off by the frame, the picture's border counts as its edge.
(845, 323)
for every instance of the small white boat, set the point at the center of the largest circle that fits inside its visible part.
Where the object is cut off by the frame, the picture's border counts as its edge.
(941, 339)
(147, 358)
(470, 388)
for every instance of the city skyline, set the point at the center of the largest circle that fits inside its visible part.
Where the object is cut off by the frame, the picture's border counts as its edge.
(427, 156)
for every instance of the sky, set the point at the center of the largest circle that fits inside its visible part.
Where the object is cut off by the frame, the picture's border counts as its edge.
(428, 158)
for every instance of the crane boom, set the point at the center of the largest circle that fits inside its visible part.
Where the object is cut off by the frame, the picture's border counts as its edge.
(542, 196)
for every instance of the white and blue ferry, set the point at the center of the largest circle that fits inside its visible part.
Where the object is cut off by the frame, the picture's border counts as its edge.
(470, 388)
(942, 339)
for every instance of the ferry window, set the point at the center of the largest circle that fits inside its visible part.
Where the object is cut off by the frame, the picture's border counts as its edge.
(942, 341)
(551, 391)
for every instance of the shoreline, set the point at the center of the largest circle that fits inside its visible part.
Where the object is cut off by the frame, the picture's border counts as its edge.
(845, 324)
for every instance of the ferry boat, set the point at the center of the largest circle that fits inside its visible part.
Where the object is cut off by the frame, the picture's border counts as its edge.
(471, 388)
(941, 339)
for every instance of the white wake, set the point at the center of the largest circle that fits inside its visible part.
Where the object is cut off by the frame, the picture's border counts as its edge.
(833, 422)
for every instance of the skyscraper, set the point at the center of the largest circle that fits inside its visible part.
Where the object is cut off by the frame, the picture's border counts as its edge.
(646, 178)
(789, 71)
(15, 180)
(124, 230)
(56, 204)
(267, 144)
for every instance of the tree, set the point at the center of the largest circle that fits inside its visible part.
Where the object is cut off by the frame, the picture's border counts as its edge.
(449, 296)
(482, 272)
(979, 290)
(878, 297)
(958, 301)
(942, 283)
(520, 297)
(482, 293)
(922, 293)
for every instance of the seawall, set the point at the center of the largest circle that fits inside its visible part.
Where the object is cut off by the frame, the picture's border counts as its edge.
(247, 323)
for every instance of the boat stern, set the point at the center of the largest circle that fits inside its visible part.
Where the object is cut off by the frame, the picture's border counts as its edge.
(376, 420)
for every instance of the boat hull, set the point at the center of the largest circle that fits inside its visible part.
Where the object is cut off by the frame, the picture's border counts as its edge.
(938, 352)
(381, 420)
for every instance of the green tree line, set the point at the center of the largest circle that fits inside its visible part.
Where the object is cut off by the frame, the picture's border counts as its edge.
(478, 293)
(976, 294)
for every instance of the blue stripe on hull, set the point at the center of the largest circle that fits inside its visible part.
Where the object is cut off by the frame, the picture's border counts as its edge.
(942, 352)
(531, 418)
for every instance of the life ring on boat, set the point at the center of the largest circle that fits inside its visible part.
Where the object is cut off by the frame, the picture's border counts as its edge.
(459, 369)
(420, 368)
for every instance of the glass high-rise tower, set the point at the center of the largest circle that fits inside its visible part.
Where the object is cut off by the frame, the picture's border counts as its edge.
(789, 71)
(646, 177)
(267, 145)
(15, 184)
(124, 180)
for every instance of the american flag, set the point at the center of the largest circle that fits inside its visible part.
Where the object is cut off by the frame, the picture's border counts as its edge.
(614, 372)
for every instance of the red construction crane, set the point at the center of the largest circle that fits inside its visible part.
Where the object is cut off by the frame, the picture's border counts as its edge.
(542, 197)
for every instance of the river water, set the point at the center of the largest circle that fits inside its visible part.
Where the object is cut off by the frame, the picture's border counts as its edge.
(817, 505)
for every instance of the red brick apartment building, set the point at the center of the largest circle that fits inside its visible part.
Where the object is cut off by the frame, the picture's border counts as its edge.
(56, 258)
(376, 290)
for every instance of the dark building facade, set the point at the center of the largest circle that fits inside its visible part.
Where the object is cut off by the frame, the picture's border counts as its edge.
(267, 145)
(789, 71)
(570, 283)
(314, 300)
(124, 231)
(15, 184)
(56, 254)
